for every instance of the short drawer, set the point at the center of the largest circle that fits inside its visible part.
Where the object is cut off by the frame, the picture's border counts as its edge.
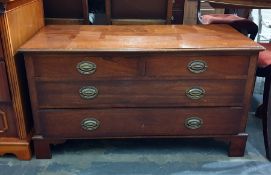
(139, 122)
(72, 66)
(198, 66)
(87, 94)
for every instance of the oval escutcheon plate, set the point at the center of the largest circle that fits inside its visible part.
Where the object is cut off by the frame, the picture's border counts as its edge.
(197, 66)
(193, 122)
(195, 93)
(86, 67)
(88, 92)
(90, 124)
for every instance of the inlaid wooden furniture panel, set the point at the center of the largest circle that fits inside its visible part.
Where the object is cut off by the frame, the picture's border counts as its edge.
(146, 10)
(206, 8)
(4, 88)
(7, 120)
(1, 52)
(66, 12)
(190, 12)
(19, 20)
(139, 12)
(177, 12)
(141, 81)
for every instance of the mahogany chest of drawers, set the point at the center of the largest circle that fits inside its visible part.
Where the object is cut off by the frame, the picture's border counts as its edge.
(140, 81)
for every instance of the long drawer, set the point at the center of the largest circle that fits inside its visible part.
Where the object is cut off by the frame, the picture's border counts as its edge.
(89, 94)
(74, 66)
(139, 122)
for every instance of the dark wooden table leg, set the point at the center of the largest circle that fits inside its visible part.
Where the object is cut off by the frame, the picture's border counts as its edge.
(237, 145)
(264, 111)
(266, 120)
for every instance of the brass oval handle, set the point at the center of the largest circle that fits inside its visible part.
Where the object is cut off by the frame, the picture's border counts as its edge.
(195, 93)
(197, 66)
(88, 92)
(193, 122)
(90, 124)
(86, 67)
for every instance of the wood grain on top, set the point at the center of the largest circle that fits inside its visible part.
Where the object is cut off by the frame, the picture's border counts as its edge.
(139, 38)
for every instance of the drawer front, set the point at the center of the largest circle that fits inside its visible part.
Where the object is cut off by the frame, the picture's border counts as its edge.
(89, 94)
(84, 67)
(198, 66)
(7, 121)
(4, 89)
(139, 122)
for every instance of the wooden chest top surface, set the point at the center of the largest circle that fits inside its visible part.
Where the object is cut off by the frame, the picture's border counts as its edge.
(139, 38)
